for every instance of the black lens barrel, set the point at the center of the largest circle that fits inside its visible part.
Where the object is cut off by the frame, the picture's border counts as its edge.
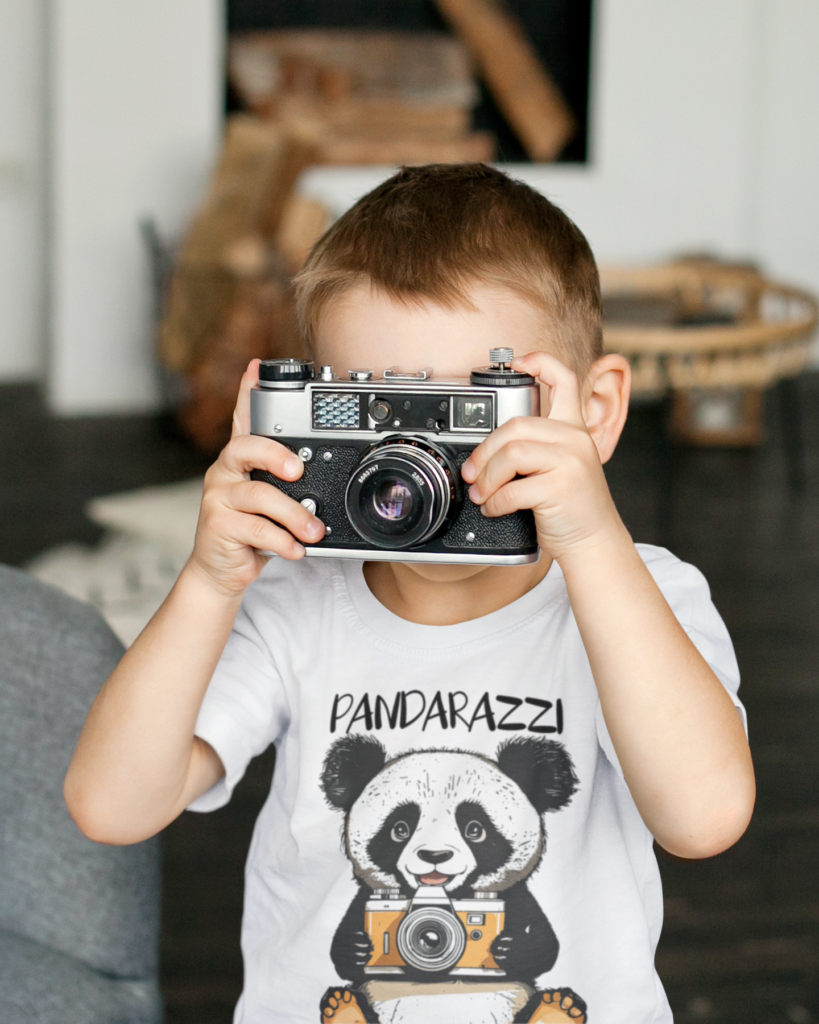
(410, 467)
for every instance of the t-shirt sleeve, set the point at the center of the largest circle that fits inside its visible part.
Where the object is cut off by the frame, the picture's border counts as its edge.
(687, 592)
(244, 711)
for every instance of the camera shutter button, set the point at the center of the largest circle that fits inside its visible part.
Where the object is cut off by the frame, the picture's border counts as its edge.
(501, 356)
(310, 504)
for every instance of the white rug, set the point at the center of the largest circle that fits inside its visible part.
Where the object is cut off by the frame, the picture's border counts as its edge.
(127, 577)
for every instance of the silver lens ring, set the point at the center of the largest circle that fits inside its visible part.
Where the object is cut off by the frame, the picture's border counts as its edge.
(416, 467)
(431, 939)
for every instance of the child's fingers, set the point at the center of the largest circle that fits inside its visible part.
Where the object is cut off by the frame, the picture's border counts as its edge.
(522, 428)
(563, 385)
(245, 452)
(259, 533)
(241, 414)
(517, 458)
(523, 492)
(255, 497)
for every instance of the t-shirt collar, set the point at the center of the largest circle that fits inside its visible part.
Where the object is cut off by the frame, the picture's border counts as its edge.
(392, 627)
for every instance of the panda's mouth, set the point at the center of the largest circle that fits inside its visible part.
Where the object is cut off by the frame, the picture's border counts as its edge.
(434, 878)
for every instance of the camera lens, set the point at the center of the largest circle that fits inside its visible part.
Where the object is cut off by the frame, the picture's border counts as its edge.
(402, 493)
(392, 500)
(431, 939)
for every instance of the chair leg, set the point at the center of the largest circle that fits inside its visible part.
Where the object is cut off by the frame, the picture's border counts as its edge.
(667, 452)
(790, 413)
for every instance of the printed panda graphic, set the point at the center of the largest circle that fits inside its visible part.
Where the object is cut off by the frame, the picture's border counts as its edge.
(443, 927)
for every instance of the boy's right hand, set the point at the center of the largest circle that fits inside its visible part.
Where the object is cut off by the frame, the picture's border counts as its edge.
(232, 531)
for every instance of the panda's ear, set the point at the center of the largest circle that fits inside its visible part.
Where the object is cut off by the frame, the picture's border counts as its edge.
(542, 769)
(350, 764)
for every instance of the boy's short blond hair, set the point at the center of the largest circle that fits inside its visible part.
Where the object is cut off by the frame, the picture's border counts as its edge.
(431, 232)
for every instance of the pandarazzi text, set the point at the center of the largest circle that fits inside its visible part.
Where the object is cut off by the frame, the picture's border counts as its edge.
(452, 710)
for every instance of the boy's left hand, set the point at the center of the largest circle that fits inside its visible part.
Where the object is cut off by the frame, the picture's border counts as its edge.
(679, 740)
(550, 465)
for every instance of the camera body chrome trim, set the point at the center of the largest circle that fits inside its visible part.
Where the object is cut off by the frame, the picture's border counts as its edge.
(396, 555)
(288, 409)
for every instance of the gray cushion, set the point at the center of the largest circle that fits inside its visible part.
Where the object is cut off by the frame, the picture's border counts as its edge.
(38, 985)
(98, 904)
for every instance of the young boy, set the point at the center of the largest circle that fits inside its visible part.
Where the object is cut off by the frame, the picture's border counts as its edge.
(438, 717)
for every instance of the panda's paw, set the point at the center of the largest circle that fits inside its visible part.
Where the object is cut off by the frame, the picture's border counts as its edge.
(559, 1004)
(501, 949)
(361, 949)
(340, 1006)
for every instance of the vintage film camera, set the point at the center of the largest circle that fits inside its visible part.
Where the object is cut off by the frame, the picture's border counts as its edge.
(382, 457)
(432, 933)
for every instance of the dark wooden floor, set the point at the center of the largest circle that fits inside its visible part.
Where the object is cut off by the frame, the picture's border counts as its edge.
(741, 940)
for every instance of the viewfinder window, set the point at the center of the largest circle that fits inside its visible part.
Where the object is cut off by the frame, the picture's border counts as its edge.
(472, 412)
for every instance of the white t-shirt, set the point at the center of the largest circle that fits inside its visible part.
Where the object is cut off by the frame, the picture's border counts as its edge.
(402, 852)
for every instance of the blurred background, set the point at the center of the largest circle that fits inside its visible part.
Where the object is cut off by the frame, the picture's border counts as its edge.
(165, 166)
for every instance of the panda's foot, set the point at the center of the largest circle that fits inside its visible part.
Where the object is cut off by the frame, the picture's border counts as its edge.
(340, 1006)
(559, 1004)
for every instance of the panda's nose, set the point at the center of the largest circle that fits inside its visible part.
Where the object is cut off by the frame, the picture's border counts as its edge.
(435, 856)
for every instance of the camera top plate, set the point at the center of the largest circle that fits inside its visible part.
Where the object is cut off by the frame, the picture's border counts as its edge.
(291, 400)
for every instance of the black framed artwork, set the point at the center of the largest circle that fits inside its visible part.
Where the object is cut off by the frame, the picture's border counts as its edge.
(559, 30)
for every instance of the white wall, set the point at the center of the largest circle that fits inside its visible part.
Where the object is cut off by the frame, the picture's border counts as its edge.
(136, 95)
(22, 132)
(784, 214)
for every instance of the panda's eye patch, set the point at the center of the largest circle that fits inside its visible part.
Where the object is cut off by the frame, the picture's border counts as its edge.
(400, 832)
(475, 832)
(389, 842)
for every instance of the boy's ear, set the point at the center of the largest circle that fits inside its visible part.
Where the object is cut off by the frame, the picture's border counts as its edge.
(542, 769)
(351, 763)
(605, 402)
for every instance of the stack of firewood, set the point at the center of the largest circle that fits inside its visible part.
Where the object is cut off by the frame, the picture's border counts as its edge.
(331, 97)
(229, 297)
